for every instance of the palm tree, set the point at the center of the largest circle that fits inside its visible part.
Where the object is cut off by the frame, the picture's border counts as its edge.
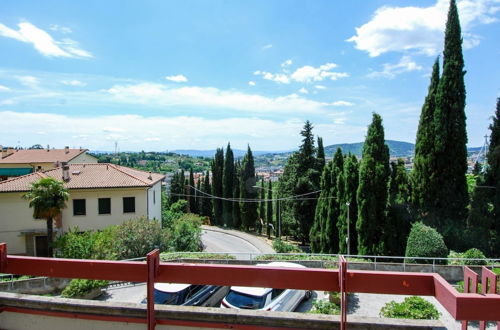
(47, 197)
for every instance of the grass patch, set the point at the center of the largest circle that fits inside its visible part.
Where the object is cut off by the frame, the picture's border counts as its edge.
(415, 308)
(188, 255)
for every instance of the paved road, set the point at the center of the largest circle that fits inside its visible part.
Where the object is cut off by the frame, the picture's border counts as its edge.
(216, 241)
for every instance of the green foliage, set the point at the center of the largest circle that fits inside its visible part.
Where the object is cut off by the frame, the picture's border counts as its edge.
(137, 237)
(325, 307)
(269, 209)
(237, 195)
(206, 203)
(203, 256)
(186, 234)
(283, 247)
(249, 214)
(80, 287)
(217, 185)
(75, 244)
(425, 241)
(349, 213)
(177, 191)
(372, 191)
(175, 211)
(228, 187)
(415, 307)
(474, 254)
(193, 206)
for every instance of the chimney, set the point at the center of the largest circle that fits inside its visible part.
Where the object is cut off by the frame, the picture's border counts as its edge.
(66, 150)
(65, 172)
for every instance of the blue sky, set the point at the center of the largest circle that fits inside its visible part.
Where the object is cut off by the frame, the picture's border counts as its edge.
(158, 75)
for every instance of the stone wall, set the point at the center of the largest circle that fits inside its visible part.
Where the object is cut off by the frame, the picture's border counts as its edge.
(37, 285)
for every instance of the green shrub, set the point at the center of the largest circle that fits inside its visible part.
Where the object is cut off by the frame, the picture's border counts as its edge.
(187, 233)
(414, 307)
(474, 254)
(174, 212)
(425, 241)
(454, 258)
(325, 307)
(80, 287)
(75, 244)
(283, 247)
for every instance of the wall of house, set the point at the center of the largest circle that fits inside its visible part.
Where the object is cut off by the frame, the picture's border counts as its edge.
(16, 216)
(83, 159)
(154, 201)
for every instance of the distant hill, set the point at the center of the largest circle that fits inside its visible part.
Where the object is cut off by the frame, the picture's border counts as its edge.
(396, 148)
(210, 153)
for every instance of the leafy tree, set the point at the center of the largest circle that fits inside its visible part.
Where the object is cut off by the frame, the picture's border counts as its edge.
(398, 217)
(321, 155)
(269, 208)
(330, 234)
(249, 214)
(424, 241)
(193, 208)
(286, 187)
(228, 187)
(349, 213)
(450, 206)
(262, 206)
(199, 198)
(237, 195)
(187, 233)
(317, 233)
(177, 187)
(423, 176)
(372, 190)
(47, 197)
(217, 185)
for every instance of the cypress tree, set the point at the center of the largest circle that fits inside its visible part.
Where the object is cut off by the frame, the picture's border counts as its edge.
(372, 190)
(249, 214)
(349, 213)
(262, 206)
(320, 155)
(317, 232)
(217, 176)
(423, 182)
(192, 193)
(228, 187)
(199, 198)
(330, 234)
(207, 202)
(236, 196)
(398, 218)
(269, 208)
(450, 207)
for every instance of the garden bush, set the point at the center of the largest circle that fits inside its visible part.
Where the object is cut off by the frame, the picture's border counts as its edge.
(187, 233)
(283, 247)
(474, 254)
(325, 307)
(414, 307)
(80, 287)
(425, 241)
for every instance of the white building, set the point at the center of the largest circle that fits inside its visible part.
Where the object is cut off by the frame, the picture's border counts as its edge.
(100, 195)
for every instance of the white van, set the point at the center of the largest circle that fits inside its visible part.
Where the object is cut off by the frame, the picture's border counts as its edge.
(284, 300)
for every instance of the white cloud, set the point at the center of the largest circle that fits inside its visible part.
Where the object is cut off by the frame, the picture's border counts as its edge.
(287, 63)
(28, 81)
(342, 104)
(405, 64)
(251, 83)
(43, 41)
(177, 78)
(59, 28)
(303, 90)
(320, 87)
(160, 95)
(4, 88)
(266, 47)
(307, 74)
(276, 77)
(420, 29)
(73, 82)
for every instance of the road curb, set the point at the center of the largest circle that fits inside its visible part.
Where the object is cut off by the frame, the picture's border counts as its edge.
(255, 241)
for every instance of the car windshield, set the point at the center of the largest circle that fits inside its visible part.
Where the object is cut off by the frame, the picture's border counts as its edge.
(169, 298)
(245, 301)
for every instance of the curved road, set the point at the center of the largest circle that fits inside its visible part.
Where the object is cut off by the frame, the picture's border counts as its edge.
(217, 241)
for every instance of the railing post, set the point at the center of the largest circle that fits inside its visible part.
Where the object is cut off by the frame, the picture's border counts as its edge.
(153, 264)
(343, 294)
(470, 286)
(488, 276)
(3, 257)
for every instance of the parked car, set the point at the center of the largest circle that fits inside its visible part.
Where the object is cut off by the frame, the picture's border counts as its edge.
(284, 300)
(188, 294)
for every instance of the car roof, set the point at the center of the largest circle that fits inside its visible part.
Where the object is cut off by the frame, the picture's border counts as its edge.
(257, 291)
(250, 290)
(171, 287)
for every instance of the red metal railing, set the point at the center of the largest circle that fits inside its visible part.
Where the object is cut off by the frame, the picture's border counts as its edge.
(462, 306)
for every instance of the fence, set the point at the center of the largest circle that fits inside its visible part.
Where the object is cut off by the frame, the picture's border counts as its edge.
(462, 306)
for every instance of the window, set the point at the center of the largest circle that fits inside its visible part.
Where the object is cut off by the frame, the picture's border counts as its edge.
(79, 207)
(128, 204)
(104, 205)
(154, 197)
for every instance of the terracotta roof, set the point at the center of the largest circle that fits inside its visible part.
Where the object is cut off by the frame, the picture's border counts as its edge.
(42, 156)
(87, 176)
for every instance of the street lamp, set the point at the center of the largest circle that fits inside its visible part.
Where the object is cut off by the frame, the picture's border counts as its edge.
(279, 209)
(348, 232)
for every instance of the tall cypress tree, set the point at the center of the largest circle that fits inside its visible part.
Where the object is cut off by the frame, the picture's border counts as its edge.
(192, 193)
(424, 187)
(450, 207)
(320, 155)
(349, 213)
(330, 240)
(372, 190)
(228, 187)
(262, 206)
(217, 175)
(249, 214)
(316, 234)
(237, 195)
(269, 208)
(199, 199)
(206, 209)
